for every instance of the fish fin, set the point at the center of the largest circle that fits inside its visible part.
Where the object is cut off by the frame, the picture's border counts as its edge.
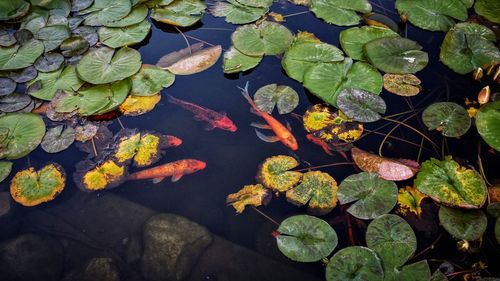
(266, 138)
(209, 127)
(176, 177)
(157, 180)
(288, 126)
(260, 126)
(252, 110)
(171, 99)
(198, 118)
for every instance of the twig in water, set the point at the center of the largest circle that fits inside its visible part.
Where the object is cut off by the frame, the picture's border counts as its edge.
(413, 129)
(93, 146)
(297, 14)
(185, 39)
(199, 40)
(120, 122)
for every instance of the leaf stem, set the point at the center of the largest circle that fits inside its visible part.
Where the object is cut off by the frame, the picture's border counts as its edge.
(297, 14)
(264, 215)
(185, 39)
(324, 166)
(413, 129)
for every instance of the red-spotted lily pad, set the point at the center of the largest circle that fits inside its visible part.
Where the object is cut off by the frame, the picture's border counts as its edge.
(250, 195)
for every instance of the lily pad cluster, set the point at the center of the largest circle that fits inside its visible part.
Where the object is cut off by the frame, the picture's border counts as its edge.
(240, 12)
(177, 12)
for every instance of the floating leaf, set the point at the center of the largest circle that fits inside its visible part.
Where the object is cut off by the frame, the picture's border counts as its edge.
(307, 51)
(274, 173)
(317, 189)
(14, 102)
(256, 3)
(7, 37)
(74, 46)
(449, 118)
(190, 60)
(387, 168)
(412, 272)
(137, 15)
(85, 102)
(488, 9)
(20, 56)
(61, 79)
(180, 12)
(406, 85)
(305, 238)
(373, 196)
(78, 5)
(237, 13)
(104, 65)
(361, 105)
(469, 225)
(87, 32)
(380, 20)
(468, 46)
(53, 35)
(116, 37)
(265, 38)
(24, 75)
(487, 124)
(49, 62)
(150, 80)
(30, 188)
(236, 61)
(94, 177)
(250, 195)
(269, 96)
(327, 80)
(57, 140)
(24, 133)
(451, 184)
(497, 230)
(410, 200)
(13, 9)
(86, 132)
(340, 12)
(435, 15)
(396, 55)
(354, 263)
(353, 39)
(137, 105)
(5, 169)
(106, 11)
(143, 148)
(118, 92)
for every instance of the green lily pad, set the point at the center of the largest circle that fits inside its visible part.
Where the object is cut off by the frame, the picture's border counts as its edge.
(236, 61)
(104, 65)
(360, 105)
(20, 56)
(49, 62)
(353, 39)
(14, 102)
(396, 55)
(256, 3)
(327, 80)
(489, 9)
(52, 36)
(373, 195)
(87, 32)
(237, 13)
(118, 92)
(106, 11)
(5, 169)
(13, 9)
(116, 37)
(468, 46)
(74, 46)
(431, 14)
(449, 118)
(340, 12)
(269, 96)
(25, 132)
(265, 38)
(78, 5)
(180, 12)
(413, 272)
(451, 184)
(487, 124)
(150, 80)
(317, 189)
(137, 15)
(56, 139)
(307, 51)
(494, 209)
(7, 86)
(85, 102)
(438, 275)
(305, 238)
(469, 225)
(274, 173)
(24, 75)
(353, 264)
(61, 79)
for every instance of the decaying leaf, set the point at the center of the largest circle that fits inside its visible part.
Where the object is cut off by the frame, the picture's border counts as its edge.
(143, 148)
(274, 173)
(406, 85)
(57, 140)
(361, 105)
(317, 189)
(92, 177)
(190, 60)
(410, 200)
(86, 132)
(250, 195)
(138, 105)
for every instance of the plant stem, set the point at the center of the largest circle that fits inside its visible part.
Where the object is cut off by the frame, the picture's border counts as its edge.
(264, 215)
(413, 129)
(297, 14)
(428, 248)
(120, 122)
(185, 39)
(199, 40)
(324, 166)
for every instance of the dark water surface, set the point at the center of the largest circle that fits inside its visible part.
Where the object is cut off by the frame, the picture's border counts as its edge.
(232, 158)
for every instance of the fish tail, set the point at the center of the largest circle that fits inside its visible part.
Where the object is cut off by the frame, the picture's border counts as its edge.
(173, 100)
(246, 95)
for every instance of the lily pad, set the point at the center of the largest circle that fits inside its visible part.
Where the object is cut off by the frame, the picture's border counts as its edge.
(449, 118)
(318, 190)
(24, 75)
(30, 188)
(24, 133)
(305, 238)
(5, 169)
(269, 96)
(250, 195)
(13, 9)
(74, 46)
(94, 177)
(116, 37)
(451, 184)
(7, 38)
(354, 263)
(20, 56)
(353, 39)
(406, 85)
(143, 148)
(138, 105)
(150, 80)
(435, 15)
(237, 13)
(488, 9)
(14, 102)
(412, 272)
(52, 36)
(89, 33)
(105, 11)
(468, 46)
(104, 65)
(77, 5)
(190, 60)
(410, 200)
(58, 139)
(374, 196)
(327, 80)
(340, 12)
(137, 15)
(469, 225)
(274, 173)
(85, 102)
(49, 62)
(497, 230)
(396, 55)
(7, 86)
(361, 105)
(179, 12)
(265, 38)
(236, 61)
(487, 124)
(61, 79)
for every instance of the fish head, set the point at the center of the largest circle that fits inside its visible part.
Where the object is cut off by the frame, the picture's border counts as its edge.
(173, 141)
(194, 165)
(226, 124)
(291, 142)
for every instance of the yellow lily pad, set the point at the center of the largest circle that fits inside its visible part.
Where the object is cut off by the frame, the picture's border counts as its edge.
(138, 105)
(274, 173)
(250, 195)
(105, 175)
(318, 189)
(406, 85)
(142, 148)
(410, 200)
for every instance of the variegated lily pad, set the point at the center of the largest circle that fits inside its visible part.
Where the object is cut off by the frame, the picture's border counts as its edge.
(449, 118)
(274, 173)
(469, 225)
(318, 190)
(406, 85)
(355, 263)
(361, 105)
(269, 96)
(250, 195)
(58, 139)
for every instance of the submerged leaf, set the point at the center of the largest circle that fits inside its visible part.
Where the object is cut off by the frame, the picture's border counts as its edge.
(410, 200)
(188, 61)
(250, 195)
(49, 62)
(361, 105)
(469, 225)
(57, 140)
(354, 263)
(24, 132)
(14, 102)
(93, 177)
(269, 96)
(274, 173)
(487, 124)
(406, 85)
(318, 190)
(449, 118)
(264, 38)
(236, 61)
(138, 105)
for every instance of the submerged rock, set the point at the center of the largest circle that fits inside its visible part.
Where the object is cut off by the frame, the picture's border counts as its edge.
(9, 216)
(31, 257)
(172, 246)
(97, 269)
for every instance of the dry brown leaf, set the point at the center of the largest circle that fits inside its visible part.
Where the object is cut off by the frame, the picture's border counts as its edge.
(405, 85)
(190, 60)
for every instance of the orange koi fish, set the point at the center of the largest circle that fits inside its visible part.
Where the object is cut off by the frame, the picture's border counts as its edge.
(281, 132)
(176, 169)
(172, 141)
(214, 119)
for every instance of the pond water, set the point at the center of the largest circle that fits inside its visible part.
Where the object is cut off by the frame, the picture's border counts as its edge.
(77, 218)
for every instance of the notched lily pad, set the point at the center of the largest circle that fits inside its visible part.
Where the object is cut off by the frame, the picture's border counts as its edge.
(361, 105)
(20, 56)
(49, 62)
(190, 60)
(5, 169)
(47, 84)
(269, 96)
(274, 173)
(340, 12)
(236, 61)
(23, 133)
(150, 80)
(318, 190)
(143, 149)
(406, 85)
(7, 86)
(487, 124)
(354, 263)
(250, 195)
(264, 38)
(179, 12)
(93, 177)
(116, 37)
(469, 225)
(432, 15)
(58, 139)
(138, 105)
(74, 46)
(449, 118)
(353, 39)
(236, 12)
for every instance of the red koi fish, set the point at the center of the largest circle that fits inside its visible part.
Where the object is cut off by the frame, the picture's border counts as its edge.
(176, 169)
(281, 132)
(172, 141)
(324, 145)
(214, 119)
